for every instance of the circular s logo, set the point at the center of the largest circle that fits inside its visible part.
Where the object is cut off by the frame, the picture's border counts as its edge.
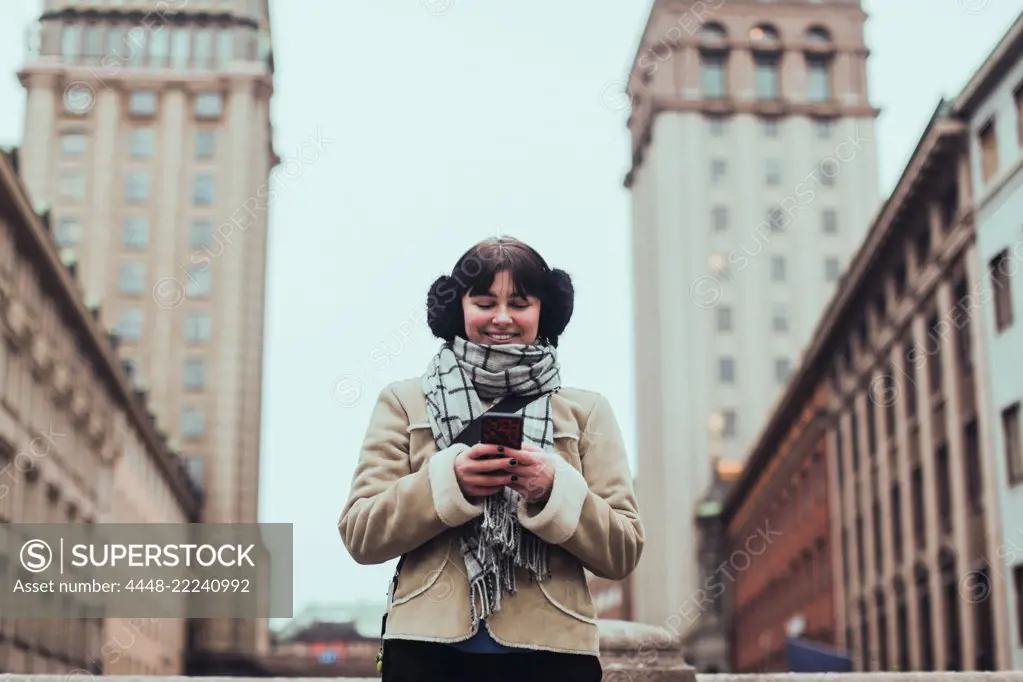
(36, 556)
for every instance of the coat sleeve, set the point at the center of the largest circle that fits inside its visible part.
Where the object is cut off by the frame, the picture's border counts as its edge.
(391, 510)
(593, 514)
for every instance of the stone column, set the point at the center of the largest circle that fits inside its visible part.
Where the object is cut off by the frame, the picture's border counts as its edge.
(636, 652)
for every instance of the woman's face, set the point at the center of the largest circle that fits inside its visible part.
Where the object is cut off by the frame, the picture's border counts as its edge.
(501, 316)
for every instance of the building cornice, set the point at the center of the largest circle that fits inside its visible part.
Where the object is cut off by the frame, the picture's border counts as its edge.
(728, 107)
(1000, 61)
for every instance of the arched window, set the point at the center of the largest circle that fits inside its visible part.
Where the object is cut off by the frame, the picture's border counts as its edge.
(712, 33)
(818, 35)
(764, 35)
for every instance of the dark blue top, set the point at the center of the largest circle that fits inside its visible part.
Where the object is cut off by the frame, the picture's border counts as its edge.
(483, 643)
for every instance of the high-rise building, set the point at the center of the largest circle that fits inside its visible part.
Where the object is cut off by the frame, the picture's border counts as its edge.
(148, 137)
(753, 179)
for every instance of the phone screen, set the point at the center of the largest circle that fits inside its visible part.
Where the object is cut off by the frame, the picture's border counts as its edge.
(502, 429)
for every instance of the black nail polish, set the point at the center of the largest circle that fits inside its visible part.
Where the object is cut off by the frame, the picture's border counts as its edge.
(500, 448)
(514, 477)
(513, 462)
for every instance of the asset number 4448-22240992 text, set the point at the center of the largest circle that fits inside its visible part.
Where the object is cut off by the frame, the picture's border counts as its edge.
(189, 585)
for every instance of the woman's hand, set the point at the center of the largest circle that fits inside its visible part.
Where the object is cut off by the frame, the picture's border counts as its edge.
(478, 477)
(535, 473)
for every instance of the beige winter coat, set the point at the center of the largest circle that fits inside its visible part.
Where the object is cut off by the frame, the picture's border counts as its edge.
(405, 499)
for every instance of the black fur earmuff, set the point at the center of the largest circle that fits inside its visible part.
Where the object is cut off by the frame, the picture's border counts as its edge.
(444, 304)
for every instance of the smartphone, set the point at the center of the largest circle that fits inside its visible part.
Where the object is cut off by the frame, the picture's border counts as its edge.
(501, 429)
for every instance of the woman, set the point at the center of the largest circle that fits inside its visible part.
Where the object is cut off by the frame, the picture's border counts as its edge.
(493, 540)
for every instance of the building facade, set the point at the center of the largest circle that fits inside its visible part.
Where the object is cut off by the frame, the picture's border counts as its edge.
(148, 137)
(76, 446)
(908, 352)
(779, 538)
(753, 178)
(992, 106)
(707, 642)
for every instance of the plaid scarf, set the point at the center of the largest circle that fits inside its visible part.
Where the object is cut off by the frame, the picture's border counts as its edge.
(460, 376)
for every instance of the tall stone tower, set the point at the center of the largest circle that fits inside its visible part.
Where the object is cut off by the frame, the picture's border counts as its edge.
(753, 181)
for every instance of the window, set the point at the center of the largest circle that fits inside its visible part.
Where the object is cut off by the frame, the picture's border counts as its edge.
(142, 103)
(1013, 446)
(200, 234)
(129, 324)
(720, 218)
(136, 189)
(202, 189)
(1017, 96)
(766, 77)
(776, 219)
(70, 38)
(159, 48)
(713, 76)
(973, 467)
(988, 150)
(730, 423)
(180, 44)
(138, 38)
(716, 125)
(198, 326)
(93, 47)
(772, 172)
(824, 128)
(818, 79)
(135, 232)
(1002, 285)
(1017, 580)
(72, 144)
(225, 47)
(726, 370)
(203, 48)
(782, 369)
(72, 186)
(724, 318)
(141, 143)
(193, 422)
(777, 268)
(132, 277)
(764, 36)
(829, 221)
(69, 232)
(818, 36)
(828, 173)
(199, 282)
(208, 105)
(205, 144)
(780, 319)
(832, 269)
(194, 374)
(718, 169)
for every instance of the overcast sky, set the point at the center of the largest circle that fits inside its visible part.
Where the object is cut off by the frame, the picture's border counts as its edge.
(444, 122)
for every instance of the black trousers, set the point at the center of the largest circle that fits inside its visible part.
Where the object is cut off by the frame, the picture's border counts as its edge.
(410, 661)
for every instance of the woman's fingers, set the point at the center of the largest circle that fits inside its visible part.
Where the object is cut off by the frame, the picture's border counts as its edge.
(479, 491)
(482, 466)
(484, 481)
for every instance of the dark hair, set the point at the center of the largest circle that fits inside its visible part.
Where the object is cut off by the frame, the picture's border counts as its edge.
(474, 274)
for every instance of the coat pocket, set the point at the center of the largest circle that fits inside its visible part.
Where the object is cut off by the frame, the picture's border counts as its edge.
(568, 591)
(427, 570)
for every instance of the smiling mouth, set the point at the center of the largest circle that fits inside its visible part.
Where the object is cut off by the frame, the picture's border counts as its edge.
(501, 338)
